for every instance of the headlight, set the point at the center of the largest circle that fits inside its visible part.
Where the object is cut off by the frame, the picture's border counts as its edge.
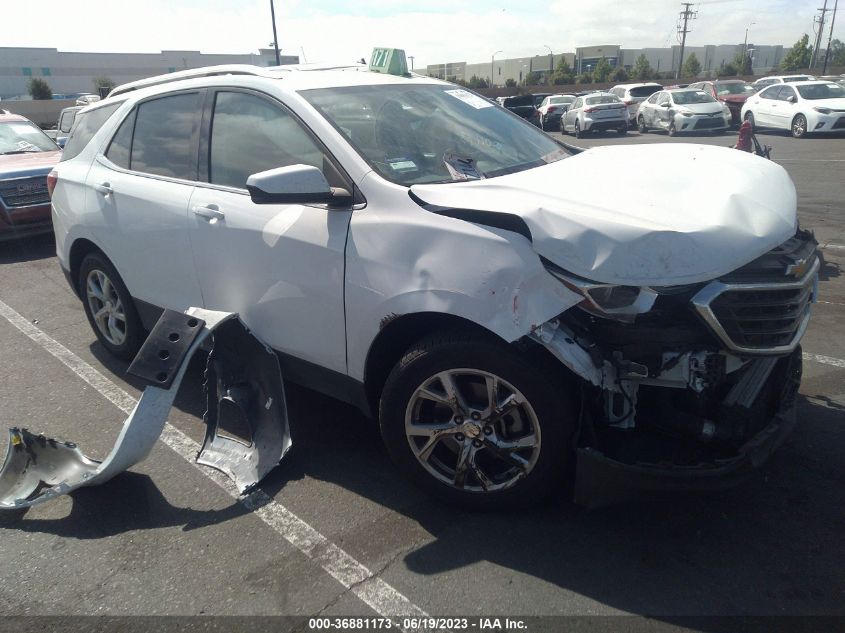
(822, 110)
(726, 109)
(685, 112)
(610, 301)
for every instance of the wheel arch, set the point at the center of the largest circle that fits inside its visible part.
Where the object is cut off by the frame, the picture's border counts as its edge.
(399, 333)
(80, 248)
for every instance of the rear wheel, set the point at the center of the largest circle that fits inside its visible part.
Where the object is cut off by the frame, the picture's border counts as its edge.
(749, 116)
(799, 126)
(475, 423)
(562, 127)
(109, 307)
(577, 129)
(641, 126)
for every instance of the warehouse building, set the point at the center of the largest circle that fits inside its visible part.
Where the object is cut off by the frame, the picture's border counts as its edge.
(72, 73)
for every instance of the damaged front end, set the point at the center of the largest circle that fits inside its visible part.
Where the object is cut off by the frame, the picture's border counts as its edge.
(246, 417)
(687, 386)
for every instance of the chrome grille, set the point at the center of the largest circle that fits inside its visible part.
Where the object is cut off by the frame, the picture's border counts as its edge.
(24, 192)
(759, 318)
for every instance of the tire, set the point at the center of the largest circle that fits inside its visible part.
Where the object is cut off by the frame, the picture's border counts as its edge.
(119, 330)
(641, 126)
(562, 128)
(749, 116)
(672, 130)
(622, 131)
(799, 126)
(509, 478)
(578, 132)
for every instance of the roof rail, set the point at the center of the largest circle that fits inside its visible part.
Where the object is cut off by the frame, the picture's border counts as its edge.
(208, 71)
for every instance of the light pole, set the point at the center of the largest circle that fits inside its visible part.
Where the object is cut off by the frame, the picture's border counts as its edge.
(275, 36)
(551, 62)
(411, 57)
(492, 58)
(745, 46)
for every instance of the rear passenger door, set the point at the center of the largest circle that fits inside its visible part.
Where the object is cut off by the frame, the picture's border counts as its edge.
(783, 109)
(141, 186)
(280, 266)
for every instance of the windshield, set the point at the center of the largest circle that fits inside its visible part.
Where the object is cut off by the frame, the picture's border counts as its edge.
(796, 78)
(23, 137)
(433, 133)
(733, 89)
(557, 100)
(601, 99)
(644, 91)
(688, 97)
(821, 91)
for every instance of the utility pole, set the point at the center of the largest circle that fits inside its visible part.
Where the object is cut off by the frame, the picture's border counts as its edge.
(820, 21)
(686, 15)
(275, 36)
(830, 37)
(492, 59)
(411, 57)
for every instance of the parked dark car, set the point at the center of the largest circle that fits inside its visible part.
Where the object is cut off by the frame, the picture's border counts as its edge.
(27, 155)
(732, 92)
(524, 106)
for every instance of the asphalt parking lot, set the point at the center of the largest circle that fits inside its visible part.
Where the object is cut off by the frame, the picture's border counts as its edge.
(337, 531)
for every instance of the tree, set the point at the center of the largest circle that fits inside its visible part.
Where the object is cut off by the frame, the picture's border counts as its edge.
(532, 79)
(742, 63)
(39, 89)
(642, 69)
(837, 53)
(563, 73)
(103, 82)
(619, 74)
(510, 83)
(727, 70)
(798, 56)
(691, 66)
(602, 71)
(585, 78)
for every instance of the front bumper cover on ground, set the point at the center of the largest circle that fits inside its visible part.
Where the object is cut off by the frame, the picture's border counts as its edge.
(245, 397)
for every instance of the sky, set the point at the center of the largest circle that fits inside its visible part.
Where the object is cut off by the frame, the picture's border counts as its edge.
(435, 31)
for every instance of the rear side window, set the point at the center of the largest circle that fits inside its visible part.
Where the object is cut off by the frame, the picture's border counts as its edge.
(163, 143)
(87, 125)
(785, 93)
(250, 135)
(644, 91)
(66, 121)
(121, 144)
(770, 93)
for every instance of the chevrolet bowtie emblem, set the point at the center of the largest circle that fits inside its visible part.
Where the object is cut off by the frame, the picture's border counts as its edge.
(798, 269)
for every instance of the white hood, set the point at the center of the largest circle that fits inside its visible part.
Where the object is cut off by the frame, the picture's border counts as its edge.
(662, 214)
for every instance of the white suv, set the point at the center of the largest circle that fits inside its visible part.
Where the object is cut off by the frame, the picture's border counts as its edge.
(408, 247)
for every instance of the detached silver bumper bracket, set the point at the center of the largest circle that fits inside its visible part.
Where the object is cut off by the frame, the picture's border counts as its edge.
(245, 396)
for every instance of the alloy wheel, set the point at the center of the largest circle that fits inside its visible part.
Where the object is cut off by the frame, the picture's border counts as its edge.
(472, 430)
(106, 307)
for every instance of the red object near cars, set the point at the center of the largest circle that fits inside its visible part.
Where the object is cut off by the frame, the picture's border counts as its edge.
(27, 155)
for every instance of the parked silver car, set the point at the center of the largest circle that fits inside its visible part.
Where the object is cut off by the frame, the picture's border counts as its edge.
(552, 109)
(633, 95)
(685, 110)
(595, 112)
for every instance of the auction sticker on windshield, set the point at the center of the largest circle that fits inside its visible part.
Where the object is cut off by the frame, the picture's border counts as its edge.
(467, 97)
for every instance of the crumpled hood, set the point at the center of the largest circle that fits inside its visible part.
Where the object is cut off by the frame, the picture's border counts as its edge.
(661, 214)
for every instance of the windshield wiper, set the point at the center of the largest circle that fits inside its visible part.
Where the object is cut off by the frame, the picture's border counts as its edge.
(21, 151)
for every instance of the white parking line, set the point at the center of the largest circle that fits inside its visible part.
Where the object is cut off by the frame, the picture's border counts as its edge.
(373, 591)
(824, 360)
(838, 247)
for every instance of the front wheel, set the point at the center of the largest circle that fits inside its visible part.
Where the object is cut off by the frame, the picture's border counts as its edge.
(563, 127)
(672, 130)
(799, 126)
(109, 307)
(641, 126)
(749, 116)
(577, 129)
(474, 422)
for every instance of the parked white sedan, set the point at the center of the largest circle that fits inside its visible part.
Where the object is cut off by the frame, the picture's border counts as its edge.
(802, 108)
(596, 112)
(683, 111)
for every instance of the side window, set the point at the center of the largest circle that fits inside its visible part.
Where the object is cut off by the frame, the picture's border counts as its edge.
(66, 121)
(249, 135)
(87, 125)
(164, 133)
(653, 98)
(121, 143)
(577, 103)
(663, 97)
(770, 93)
(785, 93)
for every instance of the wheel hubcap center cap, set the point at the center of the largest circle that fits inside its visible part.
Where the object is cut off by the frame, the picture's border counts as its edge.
(471, 430)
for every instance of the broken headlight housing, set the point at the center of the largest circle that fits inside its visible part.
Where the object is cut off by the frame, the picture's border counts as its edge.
(610, 301)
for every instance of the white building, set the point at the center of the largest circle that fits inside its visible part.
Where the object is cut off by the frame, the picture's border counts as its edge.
(73, 73)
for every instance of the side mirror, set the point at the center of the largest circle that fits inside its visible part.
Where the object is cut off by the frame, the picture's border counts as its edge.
(664, 105)
(61, 142)
(791, 98)
(295, 184)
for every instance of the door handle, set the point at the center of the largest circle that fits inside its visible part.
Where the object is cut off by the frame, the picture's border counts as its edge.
(210, 212)
(104, 188)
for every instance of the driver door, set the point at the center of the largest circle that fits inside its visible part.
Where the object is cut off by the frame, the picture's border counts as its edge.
(280, 266)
